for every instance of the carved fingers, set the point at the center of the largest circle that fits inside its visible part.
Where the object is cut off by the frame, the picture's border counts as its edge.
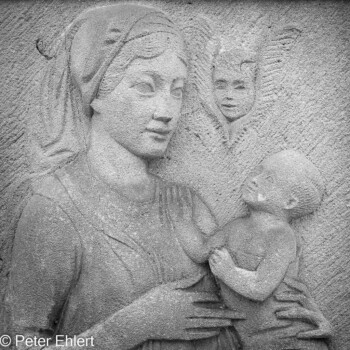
(195, 333)
(186, 203)
(210, 320)
(221, 263)
(219, 313)
(316, 318)
(192, 323)
(298, 286)
(171, 209)
(181, 314)
(164, 212)
(298, 298)
(221, 255)
(204, 297)
(323, 331)
(299, 313)
(178, 205)
(306, 311)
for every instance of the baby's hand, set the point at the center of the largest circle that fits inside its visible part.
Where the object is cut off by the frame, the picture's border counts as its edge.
(221, 263)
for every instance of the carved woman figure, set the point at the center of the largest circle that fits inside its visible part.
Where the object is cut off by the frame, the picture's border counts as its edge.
(93, 254)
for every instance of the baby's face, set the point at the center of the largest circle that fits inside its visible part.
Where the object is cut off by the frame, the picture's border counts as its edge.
(234, 92)
(265, 189)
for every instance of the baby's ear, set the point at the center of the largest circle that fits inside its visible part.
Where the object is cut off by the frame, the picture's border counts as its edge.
(292, 202)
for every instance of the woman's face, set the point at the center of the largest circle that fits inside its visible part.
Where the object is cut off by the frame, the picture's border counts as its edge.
(141, 113)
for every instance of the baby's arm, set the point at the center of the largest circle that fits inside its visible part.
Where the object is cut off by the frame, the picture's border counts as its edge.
(257, 285)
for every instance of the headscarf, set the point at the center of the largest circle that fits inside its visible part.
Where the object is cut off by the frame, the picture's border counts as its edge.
(78, 63)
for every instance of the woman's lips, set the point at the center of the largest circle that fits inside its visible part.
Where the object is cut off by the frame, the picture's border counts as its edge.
(159, 134)
(228, 106)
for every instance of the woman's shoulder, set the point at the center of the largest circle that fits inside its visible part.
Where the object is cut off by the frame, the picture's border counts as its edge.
(47, 210)
(45, 230)
(54, 185)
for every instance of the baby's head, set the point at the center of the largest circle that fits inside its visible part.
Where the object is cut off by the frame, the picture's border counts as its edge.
(234, 74)
(285, 183)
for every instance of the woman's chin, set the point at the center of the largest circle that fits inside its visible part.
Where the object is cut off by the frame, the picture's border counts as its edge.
(233, 117)
(147, 149)
(153, 153)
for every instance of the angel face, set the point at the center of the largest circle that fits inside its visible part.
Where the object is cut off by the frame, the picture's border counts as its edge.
(234, 92)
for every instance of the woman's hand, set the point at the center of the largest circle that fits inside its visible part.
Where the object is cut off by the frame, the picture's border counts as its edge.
(170, 312)
(306, 311)
(178, 207)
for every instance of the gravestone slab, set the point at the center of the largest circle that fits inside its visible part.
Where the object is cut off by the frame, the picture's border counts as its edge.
(246, 111)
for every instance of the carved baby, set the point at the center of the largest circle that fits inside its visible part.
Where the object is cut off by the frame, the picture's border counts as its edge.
(253, 256)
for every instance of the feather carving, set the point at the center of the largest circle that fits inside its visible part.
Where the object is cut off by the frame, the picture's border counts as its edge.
(271, 57)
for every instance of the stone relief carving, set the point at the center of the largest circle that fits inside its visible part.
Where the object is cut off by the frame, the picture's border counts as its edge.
(255, 258)
(104, 261)
(236, 86)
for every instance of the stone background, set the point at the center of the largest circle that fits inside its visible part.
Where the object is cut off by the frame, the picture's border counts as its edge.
(311, 115)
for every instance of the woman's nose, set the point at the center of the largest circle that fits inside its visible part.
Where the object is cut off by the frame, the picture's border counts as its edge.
(163, 111)
(162, 117)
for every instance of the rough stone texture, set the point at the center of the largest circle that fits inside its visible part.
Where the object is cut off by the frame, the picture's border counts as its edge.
(311, 115)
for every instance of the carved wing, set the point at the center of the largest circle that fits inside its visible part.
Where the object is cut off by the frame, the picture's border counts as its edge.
(203, 44)
(271, 61)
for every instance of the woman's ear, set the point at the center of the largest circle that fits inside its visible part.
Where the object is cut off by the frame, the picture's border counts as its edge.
(96, 105)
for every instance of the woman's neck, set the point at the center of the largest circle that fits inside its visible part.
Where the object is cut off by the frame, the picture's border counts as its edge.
(119, 168)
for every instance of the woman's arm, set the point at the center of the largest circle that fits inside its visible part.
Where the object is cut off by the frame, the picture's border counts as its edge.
(45, 267)
(257, 285)
(45, 264)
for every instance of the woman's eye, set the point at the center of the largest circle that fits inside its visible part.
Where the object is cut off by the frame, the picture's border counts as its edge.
(144, 88)
(177, 92)
(240, 87)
